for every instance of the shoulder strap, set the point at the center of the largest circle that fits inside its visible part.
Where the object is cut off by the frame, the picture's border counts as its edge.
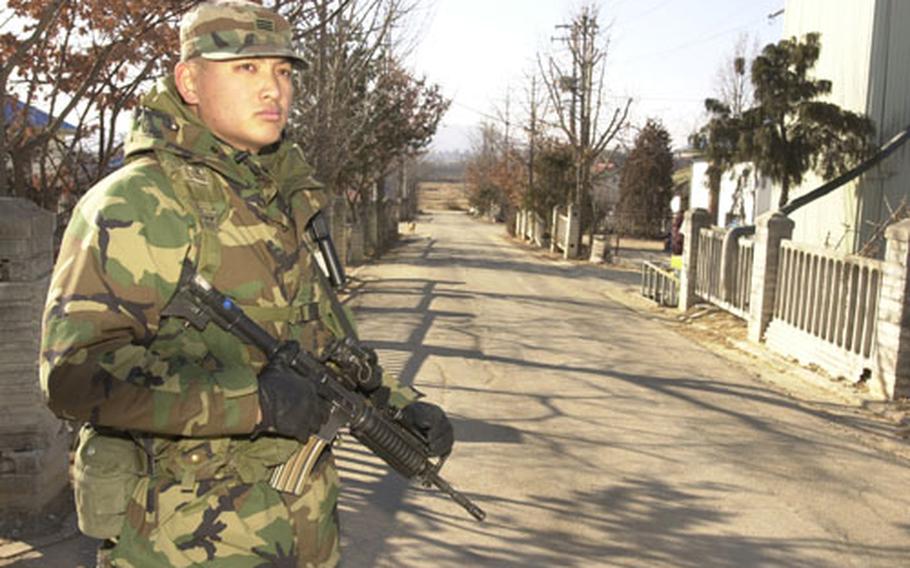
(342, 317)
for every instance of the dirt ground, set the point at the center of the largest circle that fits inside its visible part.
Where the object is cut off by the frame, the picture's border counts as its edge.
(23, 532)
(881, 424)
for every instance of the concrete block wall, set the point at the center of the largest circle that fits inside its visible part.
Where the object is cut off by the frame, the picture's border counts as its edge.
(355, 244)
(33, 443)
(892, 360)
(337, 227)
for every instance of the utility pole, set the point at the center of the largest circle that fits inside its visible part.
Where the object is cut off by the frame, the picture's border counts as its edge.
(507, 120)
(532, 144)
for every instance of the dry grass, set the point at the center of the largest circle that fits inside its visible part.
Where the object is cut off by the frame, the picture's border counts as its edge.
(656, 245)
(442, 195)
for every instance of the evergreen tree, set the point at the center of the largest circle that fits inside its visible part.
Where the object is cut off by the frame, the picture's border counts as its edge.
(788, 132)
(646, 182)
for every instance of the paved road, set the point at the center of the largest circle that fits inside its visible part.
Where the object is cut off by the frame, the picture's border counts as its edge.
(591, 434)
(594, 436)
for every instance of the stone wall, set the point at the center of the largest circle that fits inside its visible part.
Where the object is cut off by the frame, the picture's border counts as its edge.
(33, 443)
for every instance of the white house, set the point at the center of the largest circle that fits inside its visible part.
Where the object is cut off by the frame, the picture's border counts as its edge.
(743, 195)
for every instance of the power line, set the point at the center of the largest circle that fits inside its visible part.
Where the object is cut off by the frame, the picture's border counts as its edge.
(698, 41)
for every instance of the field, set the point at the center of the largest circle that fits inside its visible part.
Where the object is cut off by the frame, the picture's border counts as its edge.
(441, 195)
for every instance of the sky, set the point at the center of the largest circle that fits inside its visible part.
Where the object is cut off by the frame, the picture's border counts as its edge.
(664, 54)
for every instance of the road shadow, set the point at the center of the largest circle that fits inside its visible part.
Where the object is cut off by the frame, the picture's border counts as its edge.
(641, 522)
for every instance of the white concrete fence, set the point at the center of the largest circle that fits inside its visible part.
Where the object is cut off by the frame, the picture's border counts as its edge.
(826, 309)
(565, 231)
(724, 269)
(560, 234)
(847, 314)
(659, 284)
(531, 227)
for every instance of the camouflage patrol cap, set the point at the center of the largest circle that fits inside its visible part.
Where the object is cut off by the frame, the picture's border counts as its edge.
(222, 30)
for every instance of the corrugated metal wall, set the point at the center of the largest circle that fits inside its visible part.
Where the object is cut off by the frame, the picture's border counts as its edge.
(865, 47)
(846, 28)
(889, 107)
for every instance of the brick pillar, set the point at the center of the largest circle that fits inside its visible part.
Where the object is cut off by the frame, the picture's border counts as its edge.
(770, 229)
(33, 442)
(694, 220)
(893, 331)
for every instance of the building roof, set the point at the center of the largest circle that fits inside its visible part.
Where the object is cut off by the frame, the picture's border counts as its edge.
(35, 117)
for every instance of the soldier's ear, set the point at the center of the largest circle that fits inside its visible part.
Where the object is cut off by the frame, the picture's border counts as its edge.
(185, 78)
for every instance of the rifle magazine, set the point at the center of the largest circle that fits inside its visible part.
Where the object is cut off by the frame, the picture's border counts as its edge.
(292, 475)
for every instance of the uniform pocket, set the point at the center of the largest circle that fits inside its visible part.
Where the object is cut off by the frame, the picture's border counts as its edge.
(105, 474)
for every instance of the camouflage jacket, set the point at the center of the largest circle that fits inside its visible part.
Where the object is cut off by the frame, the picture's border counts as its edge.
(108, 356)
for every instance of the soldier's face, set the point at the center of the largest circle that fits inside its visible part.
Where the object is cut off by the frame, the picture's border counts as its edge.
(245, 102)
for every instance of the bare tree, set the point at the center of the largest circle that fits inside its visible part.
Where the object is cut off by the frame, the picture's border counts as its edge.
(581, 76)
(358, 110)
(82, 62)
(732, 84)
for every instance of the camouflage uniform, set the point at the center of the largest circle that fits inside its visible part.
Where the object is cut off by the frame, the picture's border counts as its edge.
(188, 201)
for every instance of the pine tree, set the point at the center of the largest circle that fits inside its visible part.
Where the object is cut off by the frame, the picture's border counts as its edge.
(788, 131)
(646, 182)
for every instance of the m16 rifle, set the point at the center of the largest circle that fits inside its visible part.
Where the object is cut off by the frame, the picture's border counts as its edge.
(376, 426)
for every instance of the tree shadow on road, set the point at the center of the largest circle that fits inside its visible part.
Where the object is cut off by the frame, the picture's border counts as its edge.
(627, 521)
(647, 521)
(641, 522)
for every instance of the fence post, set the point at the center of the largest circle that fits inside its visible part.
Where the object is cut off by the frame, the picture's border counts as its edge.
(33, 442)
(770, 229)
(355, 244)
(694, 220)
(371, 230)
(893, 325)
(573, 227)
(554, 229)
(336, 227)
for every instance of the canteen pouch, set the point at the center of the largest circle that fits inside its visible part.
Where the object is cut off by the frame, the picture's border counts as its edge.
(105, 473)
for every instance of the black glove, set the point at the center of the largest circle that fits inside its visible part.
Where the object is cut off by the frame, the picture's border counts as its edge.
(431, 422)
(290, 404)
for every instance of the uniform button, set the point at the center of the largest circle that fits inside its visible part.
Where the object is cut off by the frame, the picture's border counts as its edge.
(195, 458)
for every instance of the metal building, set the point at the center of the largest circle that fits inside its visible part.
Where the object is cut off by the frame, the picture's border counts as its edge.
(865, 49)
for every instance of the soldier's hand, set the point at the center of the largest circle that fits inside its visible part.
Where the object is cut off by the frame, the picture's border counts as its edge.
(432, 423)
(290, 405)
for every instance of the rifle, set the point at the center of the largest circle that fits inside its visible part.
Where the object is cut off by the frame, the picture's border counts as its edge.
(379, 429)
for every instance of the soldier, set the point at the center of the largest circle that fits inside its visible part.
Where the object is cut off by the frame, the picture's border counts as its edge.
(185, 428)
